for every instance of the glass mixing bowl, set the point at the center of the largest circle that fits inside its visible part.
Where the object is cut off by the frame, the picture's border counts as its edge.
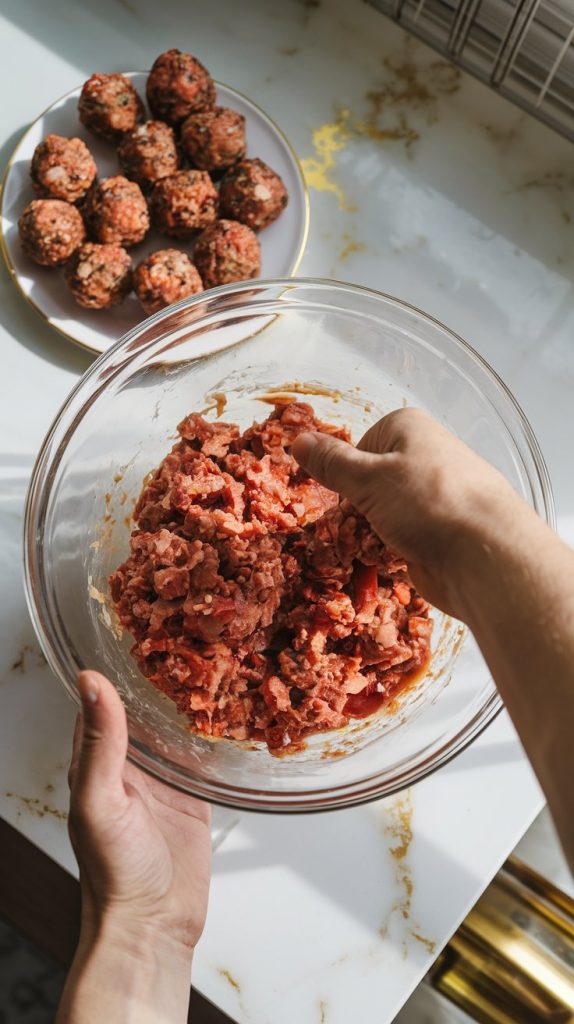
(358, 354)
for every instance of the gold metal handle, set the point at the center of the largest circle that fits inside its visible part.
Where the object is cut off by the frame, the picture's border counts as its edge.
(512, 959)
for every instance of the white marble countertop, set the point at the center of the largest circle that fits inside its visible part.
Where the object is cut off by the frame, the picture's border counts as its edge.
(424, 185)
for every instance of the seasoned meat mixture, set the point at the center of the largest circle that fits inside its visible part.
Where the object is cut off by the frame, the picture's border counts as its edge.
(259, 602)
(252, 193)
(184, 203)
(149, 153)
(163, 277)
(50, 231)
(177, 85)
(99, 276)
(214, 139)
(227, 251)
(62, 168)
(115, 211)
(109, 106)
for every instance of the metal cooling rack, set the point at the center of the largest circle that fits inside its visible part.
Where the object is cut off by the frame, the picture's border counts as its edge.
(521, 48)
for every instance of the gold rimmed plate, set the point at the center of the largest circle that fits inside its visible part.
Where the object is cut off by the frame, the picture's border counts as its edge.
(282, 243)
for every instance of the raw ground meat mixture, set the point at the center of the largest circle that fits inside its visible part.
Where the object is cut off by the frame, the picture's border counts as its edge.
(260, 602)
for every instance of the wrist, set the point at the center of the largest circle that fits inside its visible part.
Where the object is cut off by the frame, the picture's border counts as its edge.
(124, 971)
(135, 936)
(488, 540)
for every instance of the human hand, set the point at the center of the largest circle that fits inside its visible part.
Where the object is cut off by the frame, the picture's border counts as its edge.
(423, 491)
(480, 553)
(144, 850)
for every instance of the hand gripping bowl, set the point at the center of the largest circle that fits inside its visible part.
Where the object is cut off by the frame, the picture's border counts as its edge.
(359, 354)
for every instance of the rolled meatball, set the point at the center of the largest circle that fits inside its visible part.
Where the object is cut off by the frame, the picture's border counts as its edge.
(183, 203)
(50, 231)
(115, 211)
(252, 193)
(165, 276)
(177, 85)
(62, 168)
(110, 106)
(214, 139)
(99, 276)
(149, 153)
(227, 251)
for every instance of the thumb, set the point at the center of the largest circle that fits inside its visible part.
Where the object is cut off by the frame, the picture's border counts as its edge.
(337, 465)
(104, 740)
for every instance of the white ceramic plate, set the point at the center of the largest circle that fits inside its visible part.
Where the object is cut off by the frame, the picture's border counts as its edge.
(282, 243)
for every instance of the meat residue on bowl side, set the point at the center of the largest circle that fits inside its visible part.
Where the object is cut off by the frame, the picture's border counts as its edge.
(260, 602)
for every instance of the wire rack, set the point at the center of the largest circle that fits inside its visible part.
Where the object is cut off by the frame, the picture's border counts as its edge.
(521, 48)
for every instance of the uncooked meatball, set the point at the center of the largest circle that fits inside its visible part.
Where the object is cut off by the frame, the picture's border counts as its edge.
(165, 276)
(252, 193)
(177, 85)
(183, 203)
(227, 251)
(149, 153)
(62, 168)
(214, 139)
(115, 211)
(99, 276)
(50, 230)
(110, 106)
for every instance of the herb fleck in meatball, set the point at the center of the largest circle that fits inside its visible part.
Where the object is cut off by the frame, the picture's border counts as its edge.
(183, 203)
(252, 193)
(214, 139)
(177, 85)
(110, 106)
(62, 168)
(149, 153)
(116, 212)
(99, 276)
(227, 251)
(165, 276)
(50, 231)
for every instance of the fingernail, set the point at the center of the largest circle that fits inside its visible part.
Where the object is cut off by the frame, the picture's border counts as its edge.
(89, 687)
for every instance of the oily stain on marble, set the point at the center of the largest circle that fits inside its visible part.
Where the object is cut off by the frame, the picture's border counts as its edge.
(340, 960)
(322, 1012)
(501, 136)
(408, 88)
(26, 651)
(328, 140)
(557, 180)
(229, 977)
(398, 828)
(37, 807)
(351, 246)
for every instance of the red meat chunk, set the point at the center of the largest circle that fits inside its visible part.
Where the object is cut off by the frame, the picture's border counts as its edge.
(259, 602)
